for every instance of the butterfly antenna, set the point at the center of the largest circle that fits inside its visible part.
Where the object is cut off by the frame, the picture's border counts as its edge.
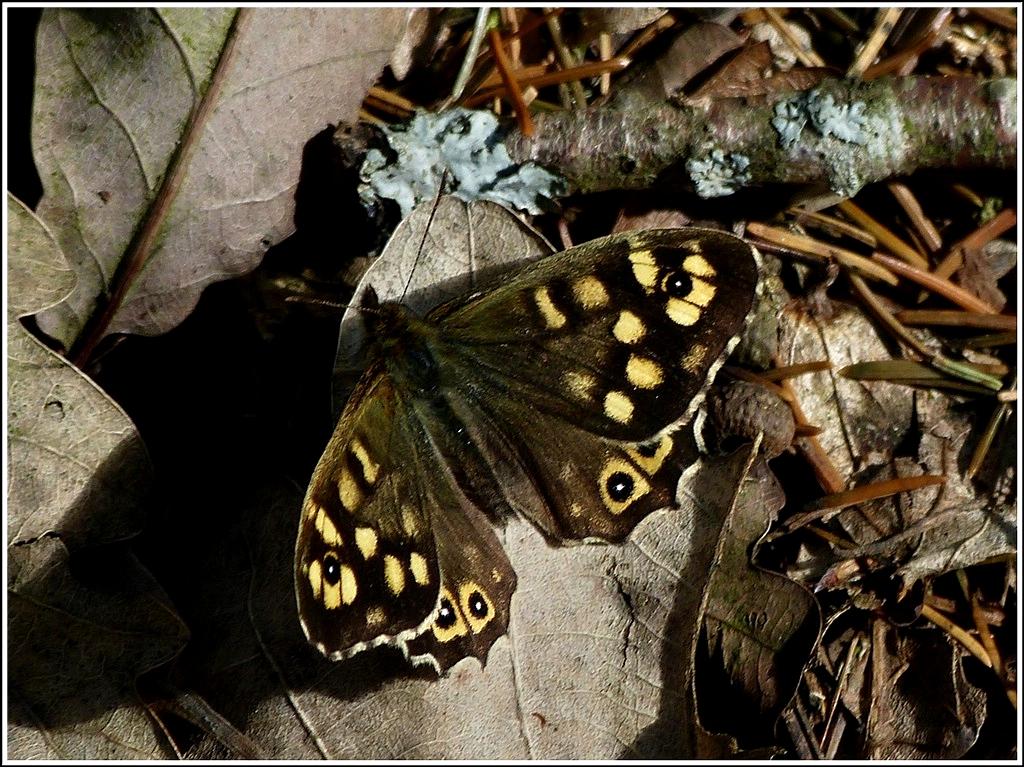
(426, 229)
(313, 300)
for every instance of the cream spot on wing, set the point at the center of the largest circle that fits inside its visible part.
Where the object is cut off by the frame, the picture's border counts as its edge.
(580, 384)
(650, 457)
(418, 568)
(366, 540)
(370, 467)
(682, 312)
(618, 407)
(628, 328)
(553, 318)
(702, 293)
(349, 587)
(327, 530)
(316, 578)
(332, 595)
(645, 268)
(348, 489)
(394, 574)
(590, 292)
(693, 246)
(693, 360)
(376, 616)
(410, 522)
(644, 373)
(699, 266)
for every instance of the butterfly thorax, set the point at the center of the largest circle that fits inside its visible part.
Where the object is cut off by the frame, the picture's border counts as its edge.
(405, 344)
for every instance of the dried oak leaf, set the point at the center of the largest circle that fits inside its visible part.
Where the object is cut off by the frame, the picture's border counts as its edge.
(77, 638)
(169, 142)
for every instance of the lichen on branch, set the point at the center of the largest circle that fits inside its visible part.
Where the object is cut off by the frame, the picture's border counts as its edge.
(845, 133)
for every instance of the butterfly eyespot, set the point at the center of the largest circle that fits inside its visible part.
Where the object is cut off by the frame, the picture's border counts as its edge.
(478, 607)
(332, 569)
(620, 486)
(677, 284)
(446, 615)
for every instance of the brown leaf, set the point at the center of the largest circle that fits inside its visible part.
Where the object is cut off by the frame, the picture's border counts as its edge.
(79, 479)
(192, 124)
(75, 652)
(922, 705)
(867, 419)
(984, 267)
(693, 51)
(760, 627)
(620, 21)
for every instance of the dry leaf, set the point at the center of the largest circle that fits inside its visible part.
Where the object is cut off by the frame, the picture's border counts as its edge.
(866, 420)
(264, 81)
(922, 705)
(693, 51)
(760, 627)
(78, 477)
(620, 21)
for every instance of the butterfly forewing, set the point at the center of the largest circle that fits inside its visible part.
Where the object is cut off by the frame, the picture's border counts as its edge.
(390, 548)
(619, 335)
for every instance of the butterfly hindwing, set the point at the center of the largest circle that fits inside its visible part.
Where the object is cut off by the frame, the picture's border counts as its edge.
(390, 548)
(365, 563)
(572, 484)
(477, 583)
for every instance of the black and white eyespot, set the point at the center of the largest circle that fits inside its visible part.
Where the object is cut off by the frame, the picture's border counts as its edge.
(446, 615)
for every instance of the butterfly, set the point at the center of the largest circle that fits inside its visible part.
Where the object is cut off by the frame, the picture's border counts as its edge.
(554, 393)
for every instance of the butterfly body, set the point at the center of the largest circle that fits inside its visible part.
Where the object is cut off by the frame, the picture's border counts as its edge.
(552, 394)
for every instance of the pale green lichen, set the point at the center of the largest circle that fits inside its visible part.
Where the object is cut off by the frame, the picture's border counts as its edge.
(465, 145)
(790, 118)
(718, 174)
(844, 121)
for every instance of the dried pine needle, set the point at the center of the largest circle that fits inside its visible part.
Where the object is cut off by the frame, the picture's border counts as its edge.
(810, 246)
(932, 282)
(956, 318)
(970, 643)
(885, 236)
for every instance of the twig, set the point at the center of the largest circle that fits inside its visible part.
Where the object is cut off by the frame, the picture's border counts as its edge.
(633, 143)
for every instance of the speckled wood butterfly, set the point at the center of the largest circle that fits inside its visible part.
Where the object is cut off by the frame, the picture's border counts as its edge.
(553, 393)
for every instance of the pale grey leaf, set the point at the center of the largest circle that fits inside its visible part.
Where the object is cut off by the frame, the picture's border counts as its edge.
(169, 143)
(78, 477)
